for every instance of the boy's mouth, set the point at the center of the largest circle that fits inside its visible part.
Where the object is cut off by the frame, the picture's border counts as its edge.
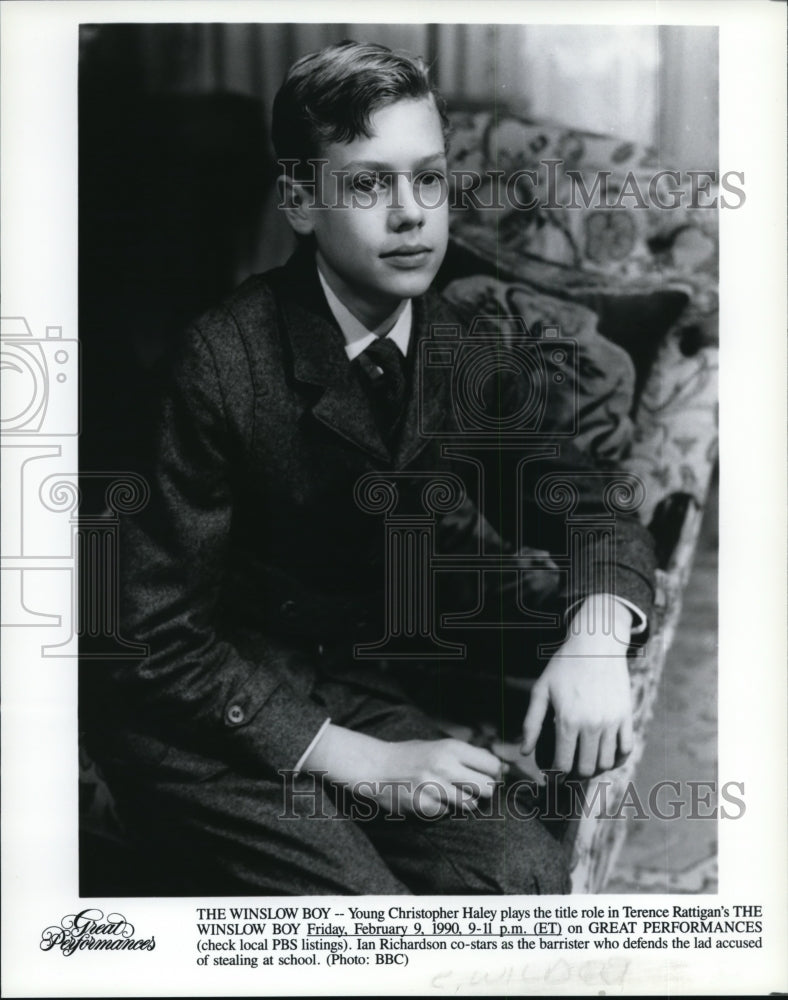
(408, 255)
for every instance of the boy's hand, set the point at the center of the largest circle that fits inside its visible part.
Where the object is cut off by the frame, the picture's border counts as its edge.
(421, 777)
(450, 774)
(587, 684)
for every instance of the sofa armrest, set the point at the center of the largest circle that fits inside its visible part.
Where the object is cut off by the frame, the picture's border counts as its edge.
(674, 448)
(595, 843)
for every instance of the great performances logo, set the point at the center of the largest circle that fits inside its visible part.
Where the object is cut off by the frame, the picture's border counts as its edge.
(91, 930)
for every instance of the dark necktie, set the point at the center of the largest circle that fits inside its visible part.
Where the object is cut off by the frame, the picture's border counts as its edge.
(385, 369)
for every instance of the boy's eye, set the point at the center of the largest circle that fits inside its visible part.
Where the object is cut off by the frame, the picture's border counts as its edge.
(431, 187)
(367, 182)
(430, 178)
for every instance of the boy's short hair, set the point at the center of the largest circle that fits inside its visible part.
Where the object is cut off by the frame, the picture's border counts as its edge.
(330, 96)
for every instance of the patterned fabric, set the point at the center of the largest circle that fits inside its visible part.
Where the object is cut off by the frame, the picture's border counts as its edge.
(560, 259)
(675, 442)
(655, 240)
(597, 395)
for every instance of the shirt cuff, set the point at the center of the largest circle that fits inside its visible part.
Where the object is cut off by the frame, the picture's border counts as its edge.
(639, 624)
(317, 737)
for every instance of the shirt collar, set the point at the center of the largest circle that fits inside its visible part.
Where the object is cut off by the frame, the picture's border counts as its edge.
(357, 336)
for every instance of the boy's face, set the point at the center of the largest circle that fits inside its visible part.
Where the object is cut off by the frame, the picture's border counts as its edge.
(384, 234)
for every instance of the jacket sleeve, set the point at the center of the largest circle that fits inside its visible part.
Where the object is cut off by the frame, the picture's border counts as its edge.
(595, 526)
(562, 501)
(246, 700)
(543, 493)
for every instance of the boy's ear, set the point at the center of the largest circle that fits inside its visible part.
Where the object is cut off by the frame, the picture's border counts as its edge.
(294, 200)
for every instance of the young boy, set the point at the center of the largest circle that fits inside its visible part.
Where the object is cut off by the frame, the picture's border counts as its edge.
(254, 573)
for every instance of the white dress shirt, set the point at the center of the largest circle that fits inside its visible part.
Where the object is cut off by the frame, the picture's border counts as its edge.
(357, 336)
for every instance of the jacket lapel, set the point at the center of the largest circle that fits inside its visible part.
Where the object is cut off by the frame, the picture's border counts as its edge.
(429, 401)
(319, 359)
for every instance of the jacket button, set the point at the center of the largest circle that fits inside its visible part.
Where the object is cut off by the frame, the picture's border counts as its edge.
(235, 714)
(288, 609)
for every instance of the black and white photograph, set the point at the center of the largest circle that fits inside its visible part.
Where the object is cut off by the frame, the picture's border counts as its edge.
(369, 564)
(386, 500)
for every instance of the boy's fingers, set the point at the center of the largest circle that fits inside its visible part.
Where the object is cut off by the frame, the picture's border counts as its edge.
(565, 746)
(482, 760)
(471, 791)
(607, 750)
(534, 717)
(625, 737)
(437, 798)
(589, 751)
(479, 785)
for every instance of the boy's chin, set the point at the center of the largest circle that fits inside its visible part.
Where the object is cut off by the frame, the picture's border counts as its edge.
(409, 284)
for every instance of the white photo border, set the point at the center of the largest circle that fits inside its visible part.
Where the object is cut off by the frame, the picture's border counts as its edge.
(39, 282)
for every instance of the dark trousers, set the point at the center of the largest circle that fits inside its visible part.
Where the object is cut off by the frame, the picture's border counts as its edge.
(215, 830)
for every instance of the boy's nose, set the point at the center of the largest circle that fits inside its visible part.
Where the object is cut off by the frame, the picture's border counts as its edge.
(406, 211)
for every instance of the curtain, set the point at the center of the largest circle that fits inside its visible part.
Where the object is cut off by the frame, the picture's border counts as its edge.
(688, 120)
(651, 84)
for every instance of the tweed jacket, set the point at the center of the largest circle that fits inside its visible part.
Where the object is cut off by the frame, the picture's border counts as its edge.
(254, 556)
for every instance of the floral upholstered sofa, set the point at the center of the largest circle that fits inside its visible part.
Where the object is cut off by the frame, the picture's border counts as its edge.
(632, 278)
